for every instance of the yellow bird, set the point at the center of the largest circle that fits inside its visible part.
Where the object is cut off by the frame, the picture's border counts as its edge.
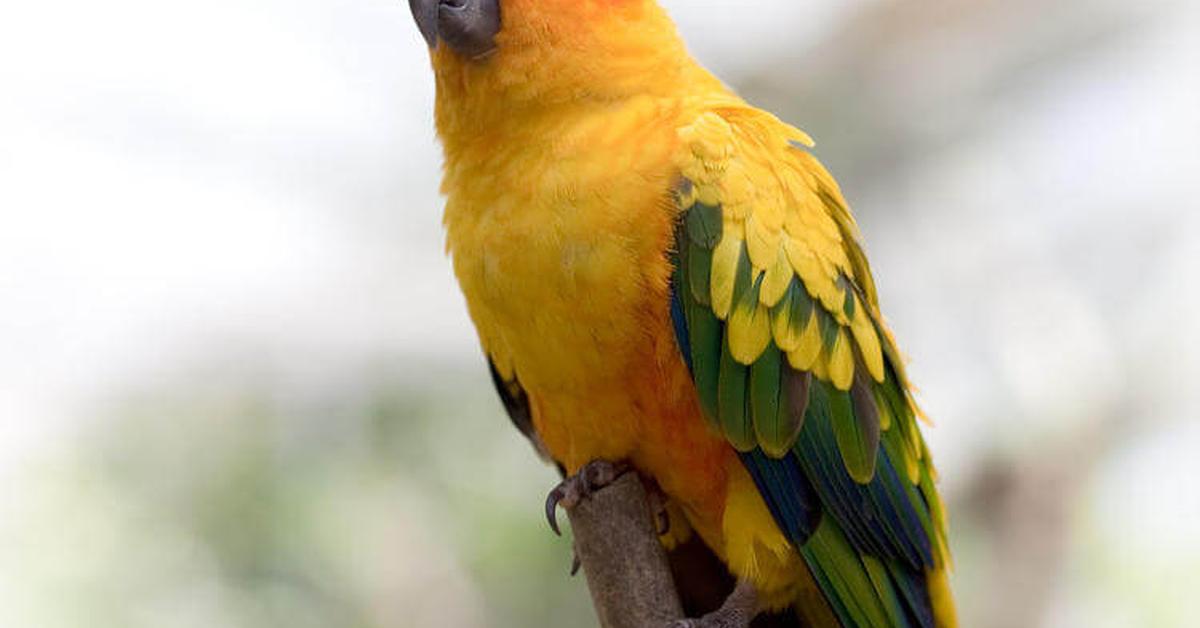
(665, 277)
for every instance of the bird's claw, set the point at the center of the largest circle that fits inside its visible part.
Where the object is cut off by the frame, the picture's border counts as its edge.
(737, 612)
(712, 621)
(557, 496)
(592, 477)
(575, 564)
(658, 507)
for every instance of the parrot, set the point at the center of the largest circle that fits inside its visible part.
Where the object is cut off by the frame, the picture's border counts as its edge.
(664, 279)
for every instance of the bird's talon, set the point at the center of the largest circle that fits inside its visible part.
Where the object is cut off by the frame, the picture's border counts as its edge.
(552, 501)
(658, 507)
(593, 476)
(575, 564)
(739, 609)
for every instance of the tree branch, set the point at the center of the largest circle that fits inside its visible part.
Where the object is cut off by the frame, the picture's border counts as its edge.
(626, 566)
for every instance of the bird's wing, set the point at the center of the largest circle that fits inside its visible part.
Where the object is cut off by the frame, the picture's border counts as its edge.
(516, 404)
(776, 314)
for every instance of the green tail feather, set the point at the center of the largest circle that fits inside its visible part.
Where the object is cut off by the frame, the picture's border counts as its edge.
(886, 591)
(844, 577)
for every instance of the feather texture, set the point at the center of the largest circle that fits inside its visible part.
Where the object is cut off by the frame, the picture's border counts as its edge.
(562, 150)
(810, 389)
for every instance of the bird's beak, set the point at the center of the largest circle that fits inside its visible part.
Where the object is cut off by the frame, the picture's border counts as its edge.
(425, 12)
(469, 27)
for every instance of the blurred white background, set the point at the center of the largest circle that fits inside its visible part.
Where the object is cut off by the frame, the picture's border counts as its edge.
(238, 386)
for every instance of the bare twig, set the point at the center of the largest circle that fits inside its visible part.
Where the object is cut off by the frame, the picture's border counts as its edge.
(626, 566)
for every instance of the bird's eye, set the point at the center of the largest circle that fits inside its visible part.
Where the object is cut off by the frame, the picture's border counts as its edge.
(469, 27)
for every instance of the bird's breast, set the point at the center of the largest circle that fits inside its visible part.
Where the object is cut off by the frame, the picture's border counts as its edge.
(562, 289)
(562, 254)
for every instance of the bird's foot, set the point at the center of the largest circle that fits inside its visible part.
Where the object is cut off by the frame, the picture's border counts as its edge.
(658, 507)
(592, 477)
(739, 609)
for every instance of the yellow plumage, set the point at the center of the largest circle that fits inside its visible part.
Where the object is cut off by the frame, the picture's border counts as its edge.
(567, 152)
(777, 279)
(749, 330)
(724, 270)
(804, 357)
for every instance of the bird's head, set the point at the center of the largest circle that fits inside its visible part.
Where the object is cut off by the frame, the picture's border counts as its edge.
(548, 50)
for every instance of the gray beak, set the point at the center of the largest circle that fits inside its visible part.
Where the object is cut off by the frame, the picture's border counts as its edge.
(425, 12)
(469, 27)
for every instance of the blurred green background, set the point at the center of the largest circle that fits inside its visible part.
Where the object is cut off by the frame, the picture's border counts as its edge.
(238, 386)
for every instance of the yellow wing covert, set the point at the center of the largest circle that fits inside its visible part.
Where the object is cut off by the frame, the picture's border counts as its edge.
(778, 319)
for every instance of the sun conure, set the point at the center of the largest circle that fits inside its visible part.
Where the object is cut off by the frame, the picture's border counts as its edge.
(664, 276)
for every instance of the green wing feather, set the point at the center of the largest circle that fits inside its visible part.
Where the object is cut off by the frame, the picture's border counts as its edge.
(794, 366)
(773, 428)
(732, 408)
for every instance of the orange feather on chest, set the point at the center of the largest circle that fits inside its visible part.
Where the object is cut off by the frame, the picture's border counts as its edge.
(560, 243)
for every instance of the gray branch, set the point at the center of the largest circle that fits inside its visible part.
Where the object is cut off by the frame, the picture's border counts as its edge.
(626, 566)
